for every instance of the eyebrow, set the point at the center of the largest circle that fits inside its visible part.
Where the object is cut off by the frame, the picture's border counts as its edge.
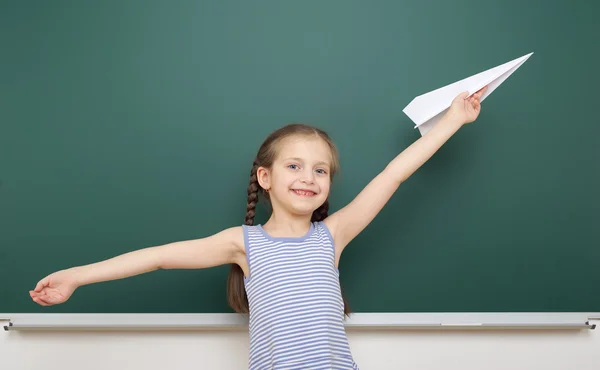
(301, 160)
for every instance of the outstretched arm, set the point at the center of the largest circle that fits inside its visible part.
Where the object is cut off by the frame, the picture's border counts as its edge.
(349, 221)
(225, 247)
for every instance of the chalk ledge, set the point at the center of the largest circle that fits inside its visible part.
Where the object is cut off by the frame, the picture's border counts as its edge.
(232, 321)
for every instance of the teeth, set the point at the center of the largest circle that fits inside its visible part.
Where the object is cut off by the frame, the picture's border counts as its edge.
(302, 192)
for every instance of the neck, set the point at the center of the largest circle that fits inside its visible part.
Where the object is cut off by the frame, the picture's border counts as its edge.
(287, 225)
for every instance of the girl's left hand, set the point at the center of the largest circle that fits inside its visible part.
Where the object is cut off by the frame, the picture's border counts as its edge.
(467, 110)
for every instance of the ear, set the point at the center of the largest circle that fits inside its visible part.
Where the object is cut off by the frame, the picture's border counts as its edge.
(264, 178)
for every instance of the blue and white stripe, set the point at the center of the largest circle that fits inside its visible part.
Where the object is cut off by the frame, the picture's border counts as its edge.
(296, 307)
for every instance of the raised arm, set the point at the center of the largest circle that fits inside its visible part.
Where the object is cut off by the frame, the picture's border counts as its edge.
(225, 247)
(349, 221)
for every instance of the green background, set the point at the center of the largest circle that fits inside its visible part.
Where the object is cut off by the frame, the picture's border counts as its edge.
(127, 124)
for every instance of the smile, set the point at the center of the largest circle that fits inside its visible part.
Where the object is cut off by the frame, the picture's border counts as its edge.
(303, 193)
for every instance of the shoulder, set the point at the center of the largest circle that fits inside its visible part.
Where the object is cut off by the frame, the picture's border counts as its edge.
(322, 228)
(328, 225)
(234, 236)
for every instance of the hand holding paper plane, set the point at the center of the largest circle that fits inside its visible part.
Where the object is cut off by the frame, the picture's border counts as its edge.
(466, 107)
(427, 109)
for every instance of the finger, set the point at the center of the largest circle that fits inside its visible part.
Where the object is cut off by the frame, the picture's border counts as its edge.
(40, 302)
(472, 105)
(38, 294)
(481, 91)
(47, 300)
(41, 284)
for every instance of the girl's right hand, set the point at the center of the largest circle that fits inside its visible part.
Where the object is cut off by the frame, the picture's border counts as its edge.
(55, 288)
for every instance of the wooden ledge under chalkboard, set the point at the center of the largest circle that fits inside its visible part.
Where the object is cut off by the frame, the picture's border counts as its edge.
(232, 321)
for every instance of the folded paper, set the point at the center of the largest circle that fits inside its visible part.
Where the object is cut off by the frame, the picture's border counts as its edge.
(427, 109)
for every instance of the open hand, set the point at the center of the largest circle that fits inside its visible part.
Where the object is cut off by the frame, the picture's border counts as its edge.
(55, 288)
(464, 109)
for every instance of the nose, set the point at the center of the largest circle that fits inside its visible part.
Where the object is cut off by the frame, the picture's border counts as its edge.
(307, 177)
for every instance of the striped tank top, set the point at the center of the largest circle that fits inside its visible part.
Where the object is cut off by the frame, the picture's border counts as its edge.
(296, 307)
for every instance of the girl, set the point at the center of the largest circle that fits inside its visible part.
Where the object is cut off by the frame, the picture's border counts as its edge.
(283, 273)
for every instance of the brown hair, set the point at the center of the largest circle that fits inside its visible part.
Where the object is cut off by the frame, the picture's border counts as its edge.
(236, 292)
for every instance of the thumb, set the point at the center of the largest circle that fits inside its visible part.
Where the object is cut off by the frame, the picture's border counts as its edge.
(41, 284)
(463, 95)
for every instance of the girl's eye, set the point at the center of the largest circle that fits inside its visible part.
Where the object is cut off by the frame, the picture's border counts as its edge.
(293, 166)
(322, 172)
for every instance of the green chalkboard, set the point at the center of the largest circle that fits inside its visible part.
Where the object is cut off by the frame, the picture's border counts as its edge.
(127, 124)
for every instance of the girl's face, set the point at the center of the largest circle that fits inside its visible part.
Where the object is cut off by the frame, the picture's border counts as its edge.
(299, 180)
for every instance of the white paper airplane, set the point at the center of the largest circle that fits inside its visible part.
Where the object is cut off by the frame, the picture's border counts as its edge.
(427, 109)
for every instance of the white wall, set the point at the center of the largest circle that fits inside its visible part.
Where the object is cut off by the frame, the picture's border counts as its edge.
(373, 349)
